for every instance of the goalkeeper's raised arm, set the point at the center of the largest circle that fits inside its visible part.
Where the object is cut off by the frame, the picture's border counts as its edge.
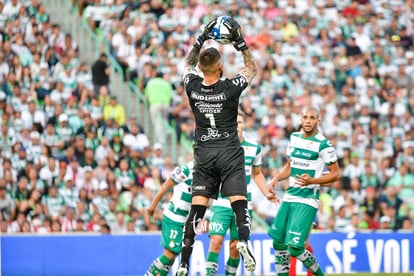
(250, 69)
(192, 57)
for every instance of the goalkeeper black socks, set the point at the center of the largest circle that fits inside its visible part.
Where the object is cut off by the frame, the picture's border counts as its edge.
(196, 214)
(242, 219)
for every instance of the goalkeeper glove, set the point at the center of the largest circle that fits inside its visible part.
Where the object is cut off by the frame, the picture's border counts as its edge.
(236, 35)
(205, 34)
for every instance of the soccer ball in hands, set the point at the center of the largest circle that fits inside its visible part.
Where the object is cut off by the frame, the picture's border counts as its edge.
(220, 32)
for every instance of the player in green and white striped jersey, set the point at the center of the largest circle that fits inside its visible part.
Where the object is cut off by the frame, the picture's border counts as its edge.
(308, 152)
(174, 217)
(222, 217)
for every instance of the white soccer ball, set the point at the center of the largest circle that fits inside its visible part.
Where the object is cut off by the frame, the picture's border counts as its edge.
(220, 32)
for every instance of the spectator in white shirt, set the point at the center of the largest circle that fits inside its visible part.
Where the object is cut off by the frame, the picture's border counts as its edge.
(387, 67)
(354, 169)
(68, 222)
(124, 53)
(19, 47)
(49, 172)
(362, 40)
(341, 221)
(180, 34)
(136, 62)
(102, 150)
(136, 30)
(135, 139)
(167, 22)
(119, 37)
(59, 95)
(33, 115)
(120, 226)
(35, 66)
(75, 172)
(57, 37)
(95, 13)
(11, 8)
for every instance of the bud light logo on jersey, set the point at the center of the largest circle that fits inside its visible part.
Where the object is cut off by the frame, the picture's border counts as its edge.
(210, 98)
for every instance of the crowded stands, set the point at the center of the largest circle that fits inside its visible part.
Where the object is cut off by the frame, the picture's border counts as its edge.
(72, 160)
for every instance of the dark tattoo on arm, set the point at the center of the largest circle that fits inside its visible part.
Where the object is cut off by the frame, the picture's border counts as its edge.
(192, 58)
(250, 69)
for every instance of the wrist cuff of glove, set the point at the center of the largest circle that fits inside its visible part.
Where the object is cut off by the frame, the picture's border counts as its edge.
(199, 43)
(241, 45)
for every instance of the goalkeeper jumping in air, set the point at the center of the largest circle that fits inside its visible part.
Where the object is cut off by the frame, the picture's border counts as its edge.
(218, 155)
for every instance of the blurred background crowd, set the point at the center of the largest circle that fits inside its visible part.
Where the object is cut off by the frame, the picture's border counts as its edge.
(72, 160)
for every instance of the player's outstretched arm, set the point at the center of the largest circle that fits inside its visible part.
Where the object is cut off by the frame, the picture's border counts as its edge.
(167, 185)
(192, 57)
(250, 69)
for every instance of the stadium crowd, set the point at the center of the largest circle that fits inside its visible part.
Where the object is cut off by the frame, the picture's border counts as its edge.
(72, 160)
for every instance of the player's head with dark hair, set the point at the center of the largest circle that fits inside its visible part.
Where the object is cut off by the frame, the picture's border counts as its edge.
(210, 61)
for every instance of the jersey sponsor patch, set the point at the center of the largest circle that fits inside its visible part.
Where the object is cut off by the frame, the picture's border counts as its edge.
(300, 163)
(216, 226)
(209, 98)
(209, 108)
(304, 154)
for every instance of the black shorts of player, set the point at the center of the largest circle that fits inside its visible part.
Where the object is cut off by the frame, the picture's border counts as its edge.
(219, 168)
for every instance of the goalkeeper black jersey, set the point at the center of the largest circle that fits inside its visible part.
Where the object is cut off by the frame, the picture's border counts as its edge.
(215, 109)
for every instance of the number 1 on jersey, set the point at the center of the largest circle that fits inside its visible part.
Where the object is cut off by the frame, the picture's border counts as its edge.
(210, 116)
